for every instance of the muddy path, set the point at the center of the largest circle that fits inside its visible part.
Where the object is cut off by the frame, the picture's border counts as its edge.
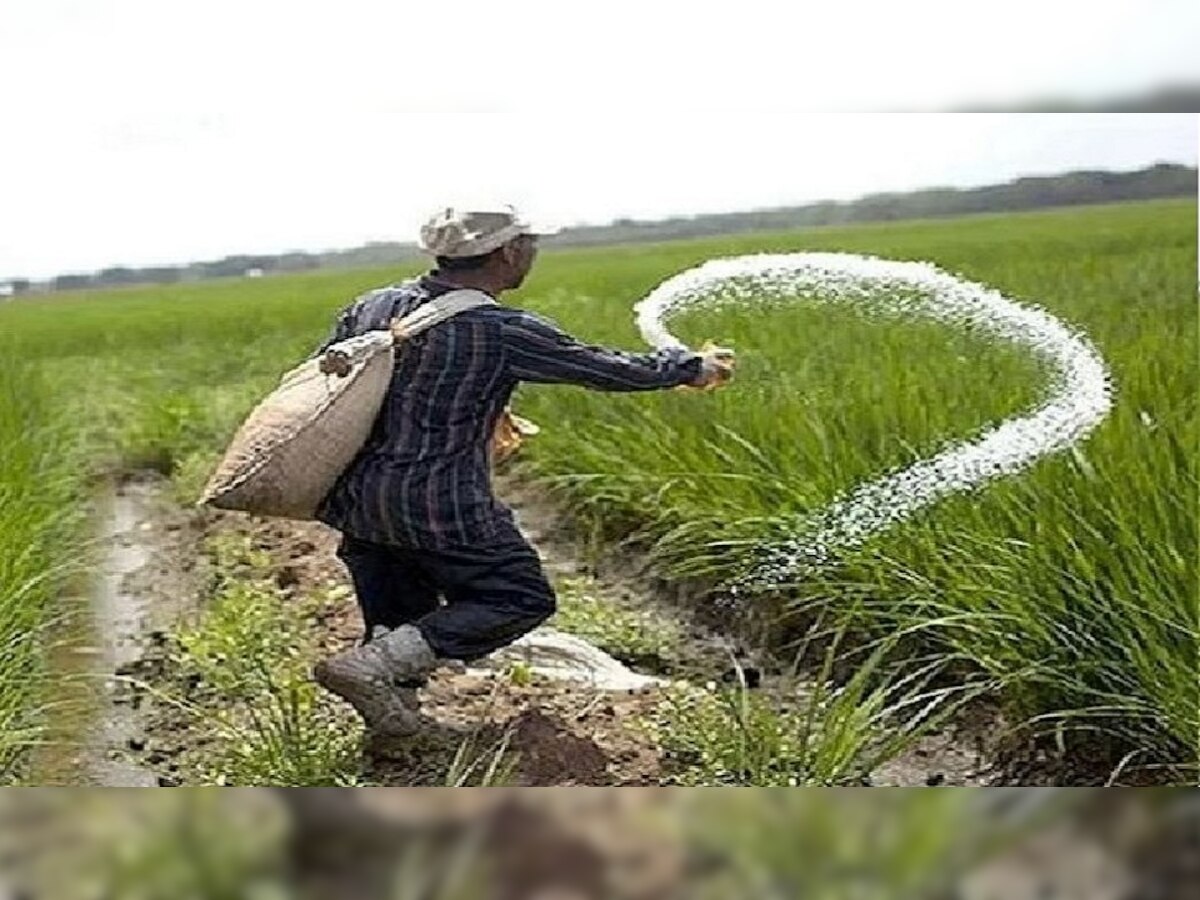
(142, 577)
(560, 732)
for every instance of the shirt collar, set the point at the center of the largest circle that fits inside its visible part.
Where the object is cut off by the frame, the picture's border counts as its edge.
(436, 286)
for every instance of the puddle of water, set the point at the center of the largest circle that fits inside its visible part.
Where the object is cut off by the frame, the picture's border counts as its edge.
(89, 729)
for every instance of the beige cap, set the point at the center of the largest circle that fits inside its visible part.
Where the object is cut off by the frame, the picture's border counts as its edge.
(455, 231)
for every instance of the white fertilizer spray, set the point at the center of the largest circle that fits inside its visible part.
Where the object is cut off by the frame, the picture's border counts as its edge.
(1078, 398)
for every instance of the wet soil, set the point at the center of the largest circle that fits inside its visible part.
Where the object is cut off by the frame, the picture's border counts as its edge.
(143, 575)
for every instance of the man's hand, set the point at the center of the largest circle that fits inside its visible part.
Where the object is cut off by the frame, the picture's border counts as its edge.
(335, 362)
(510, 431)
(716, 368)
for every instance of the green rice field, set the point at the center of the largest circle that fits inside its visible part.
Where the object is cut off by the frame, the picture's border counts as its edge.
(1071, 587)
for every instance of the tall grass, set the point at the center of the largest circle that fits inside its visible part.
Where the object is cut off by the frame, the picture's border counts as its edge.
(40, 516)
(1079, 576)
(808, 731)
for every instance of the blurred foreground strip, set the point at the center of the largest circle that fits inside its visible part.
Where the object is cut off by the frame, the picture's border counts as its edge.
(611, 843)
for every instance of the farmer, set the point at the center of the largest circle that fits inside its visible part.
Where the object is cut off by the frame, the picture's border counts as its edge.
(415, 508)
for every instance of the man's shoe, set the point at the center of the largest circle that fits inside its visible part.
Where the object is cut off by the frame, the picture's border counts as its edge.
(457, 666)
(357, 678)
(406, 654)
(406, 689)
(366, 676)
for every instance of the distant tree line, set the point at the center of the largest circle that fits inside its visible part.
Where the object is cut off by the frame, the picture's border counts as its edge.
(1169, 98)
(1072, 188)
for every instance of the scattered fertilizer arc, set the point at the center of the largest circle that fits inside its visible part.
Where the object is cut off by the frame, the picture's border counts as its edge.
(1079, 394)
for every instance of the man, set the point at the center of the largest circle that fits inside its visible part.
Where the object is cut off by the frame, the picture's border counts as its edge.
(416, 507)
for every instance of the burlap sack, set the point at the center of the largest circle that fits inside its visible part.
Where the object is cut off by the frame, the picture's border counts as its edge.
(291, 449)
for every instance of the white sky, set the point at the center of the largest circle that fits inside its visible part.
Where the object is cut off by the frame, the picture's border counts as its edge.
(140, 132)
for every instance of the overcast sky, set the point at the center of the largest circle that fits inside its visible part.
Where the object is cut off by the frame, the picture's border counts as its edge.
(137, 132)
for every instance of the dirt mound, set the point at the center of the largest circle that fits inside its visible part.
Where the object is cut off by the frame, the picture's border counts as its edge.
(552, 754)
(543, 733)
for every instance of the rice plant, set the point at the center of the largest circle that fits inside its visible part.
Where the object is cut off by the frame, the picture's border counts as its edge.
(42, 498)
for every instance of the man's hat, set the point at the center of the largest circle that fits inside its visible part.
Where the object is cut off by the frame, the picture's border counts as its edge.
(455, 231)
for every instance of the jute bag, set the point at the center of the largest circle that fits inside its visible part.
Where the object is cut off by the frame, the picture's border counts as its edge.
(291, 449)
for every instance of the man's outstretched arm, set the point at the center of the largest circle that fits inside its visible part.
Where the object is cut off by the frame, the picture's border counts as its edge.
(537, 350)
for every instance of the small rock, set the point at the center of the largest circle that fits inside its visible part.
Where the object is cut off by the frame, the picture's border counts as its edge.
(137, 744)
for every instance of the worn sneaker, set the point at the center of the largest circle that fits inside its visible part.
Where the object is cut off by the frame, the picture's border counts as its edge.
(359, 678)
(457, 666)
(366, 676)
(406, 654)
(407, 689)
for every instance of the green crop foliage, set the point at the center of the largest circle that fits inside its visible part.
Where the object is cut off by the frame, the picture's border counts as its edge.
(41, 501)
(1072, 584)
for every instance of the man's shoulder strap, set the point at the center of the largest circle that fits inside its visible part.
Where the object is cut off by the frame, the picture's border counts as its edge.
(439, 309)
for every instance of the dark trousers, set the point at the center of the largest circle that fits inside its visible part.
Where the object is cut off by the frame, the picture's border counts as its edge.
(492, 595)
